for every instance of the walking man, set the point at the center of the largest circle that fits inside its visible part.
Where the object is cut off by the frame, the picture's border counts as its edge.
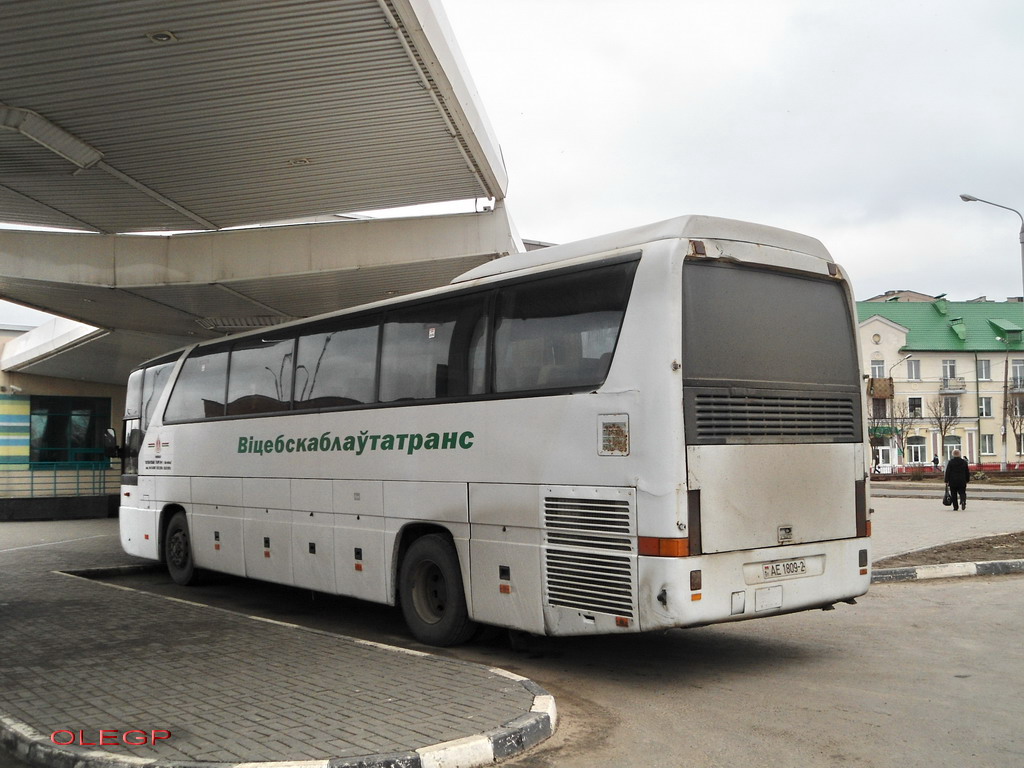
(958, 475)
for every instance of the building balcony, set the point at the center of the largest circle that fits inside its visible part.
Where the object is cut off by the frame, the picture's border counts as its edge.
(953, 385)
(1015, 384)
(880, 388)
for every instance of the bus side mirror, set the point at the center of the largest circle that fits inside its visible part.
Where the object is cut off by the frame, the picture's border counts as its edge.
(134, 442)
(110, 444)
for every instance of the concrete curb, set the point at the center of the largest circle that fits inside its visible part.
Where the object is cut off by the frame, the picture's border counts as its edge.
(513, 738)
(947, 571)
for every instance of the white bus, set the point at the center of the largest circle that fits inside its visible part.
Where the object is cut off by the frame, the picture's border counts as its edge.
(657, 428)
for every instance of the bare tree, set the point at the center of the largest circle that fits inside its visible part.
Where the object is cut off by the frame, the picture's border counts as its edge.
(900, 421)
(1015, 413)
(943, 418)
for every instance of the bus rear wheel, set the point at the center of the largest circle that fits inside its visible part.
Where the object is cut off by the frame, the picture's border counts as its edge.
(431, 594)
(178, 551)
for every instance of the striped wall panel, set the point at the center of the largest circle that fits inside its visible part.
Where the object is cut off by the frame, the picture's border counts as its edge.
(15, 413)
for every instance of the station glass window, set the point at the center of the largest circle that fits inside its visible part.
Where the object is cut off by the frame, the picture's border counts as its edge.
(68, 429)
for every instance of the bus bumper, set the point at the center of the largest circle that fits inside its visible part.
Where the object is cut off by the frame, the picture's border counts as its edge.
(139, 534)
(734, 586)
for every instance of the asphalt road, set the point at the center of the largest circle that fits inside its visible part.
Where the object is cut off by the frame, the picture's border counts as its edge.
(918, 674)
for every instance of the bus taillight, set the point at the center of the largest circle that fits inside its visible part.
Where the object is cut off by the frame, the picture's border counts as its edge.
(861, 505)
(657, 547)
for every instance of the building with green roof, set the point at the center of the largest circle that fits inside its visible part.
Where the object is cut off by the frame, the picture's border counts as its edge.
(943, 376)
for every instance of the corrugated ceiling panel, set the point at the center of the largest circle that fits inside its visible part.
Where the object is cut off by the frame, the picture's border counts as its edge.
(102, 307)
(302, 297)
(109, 359)
(217, 121)
(202, 300)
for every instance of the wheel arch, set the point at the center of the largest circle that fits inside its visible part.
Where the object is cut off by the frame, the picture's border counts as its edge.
(409, 533)
(169, 511)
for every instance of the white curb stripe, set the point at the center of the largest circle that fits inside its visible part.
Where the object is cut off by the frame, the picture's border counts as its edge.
(470, 752)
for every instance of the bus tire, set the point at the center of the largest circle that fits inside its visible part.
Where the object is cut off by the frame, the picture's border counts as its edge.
(431, 594)
(178, 551)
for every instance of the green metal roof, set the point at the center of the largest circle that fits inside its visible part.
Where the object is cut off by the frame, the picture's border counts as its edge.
(964, 326)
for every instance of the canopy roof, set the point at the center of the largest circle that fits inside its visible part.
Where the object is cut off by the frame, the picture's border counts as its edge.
(143, 115)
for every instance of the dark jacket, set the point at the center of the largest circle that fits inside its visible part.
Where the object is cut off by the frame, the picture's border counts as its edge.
(958, 472)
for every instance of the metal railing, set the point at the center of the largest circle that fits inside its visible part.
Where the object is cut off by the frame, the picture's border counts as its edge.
(952, 384)
(48, 479)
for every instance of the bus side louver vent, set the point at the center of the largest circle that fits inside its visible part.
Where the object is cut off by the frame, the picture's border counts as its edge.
(588, 582)
(589, 557)
(723, 417)
(599, 515)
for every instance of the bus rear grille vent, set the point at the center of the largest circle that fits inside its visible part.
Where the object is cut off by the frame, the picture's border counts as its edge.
(592, 542)
(589, 581)
(724, 416)
(595, 515)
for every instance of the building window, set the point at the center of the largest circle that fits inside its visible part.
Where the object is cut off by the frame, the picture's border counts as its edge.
(949, 369)
(878, 369)
(1020, 444)
(916, 453)
(915, 407)
(951, 406)
(984, 370)
(878, 407)
(949, 444)
(1017, 374)
(914, 370)
(985, 406)
(68, 429)
(988, 444)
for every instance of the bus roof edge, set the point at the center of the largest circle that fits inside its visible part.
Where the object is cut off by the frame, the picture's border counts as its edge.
(681, 227)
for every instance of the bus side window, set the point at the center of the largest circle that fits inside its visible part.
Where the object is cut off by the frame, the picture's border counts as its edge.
(427, 349)
(560, 332)
(200, 390)
(133, 395)
(337, 366)
(260, 377)
(153, 386)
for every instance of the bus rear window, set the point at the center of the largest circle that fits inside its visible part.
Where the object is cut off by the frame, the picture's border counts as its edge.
(757, 326)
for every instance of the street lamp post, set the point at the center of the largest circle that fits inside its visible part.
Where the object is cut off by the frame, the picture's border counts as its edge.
(1006, 361)
(973, 199)
(901, 360)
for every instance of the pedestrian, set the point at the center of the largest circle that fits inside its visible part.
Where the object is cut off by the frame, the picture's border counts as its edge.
(875, 461)
(958, 475)
(935, 462)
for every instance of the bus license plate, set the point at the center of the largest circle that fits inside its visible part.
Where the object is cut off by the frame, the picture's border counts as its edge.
(783, 569)
(777, 570)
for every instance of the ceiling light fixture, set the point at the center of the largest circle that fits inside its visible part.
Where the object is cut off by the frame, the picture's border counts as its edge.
(163, 36)
(34, 126)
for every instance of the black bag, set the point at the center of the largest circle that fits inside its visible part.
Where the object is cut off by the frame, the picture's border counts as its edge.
(947, 500)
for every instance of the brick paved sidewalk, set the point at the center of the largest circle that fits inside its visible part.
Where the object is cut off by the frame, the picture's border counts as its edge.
(81, 656)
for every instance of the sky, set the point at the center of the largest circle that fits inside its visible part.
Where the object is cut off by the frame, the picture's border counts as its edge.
(859, 123)
(856, 122)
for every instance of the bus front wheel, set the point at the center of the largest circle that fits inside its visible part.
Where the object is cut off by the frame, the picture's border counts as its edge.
(431, 594)
(178, 551)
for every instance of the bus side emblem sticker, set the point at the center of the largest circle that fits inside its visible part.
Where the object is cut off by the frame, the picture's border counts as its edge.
(613, 434)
